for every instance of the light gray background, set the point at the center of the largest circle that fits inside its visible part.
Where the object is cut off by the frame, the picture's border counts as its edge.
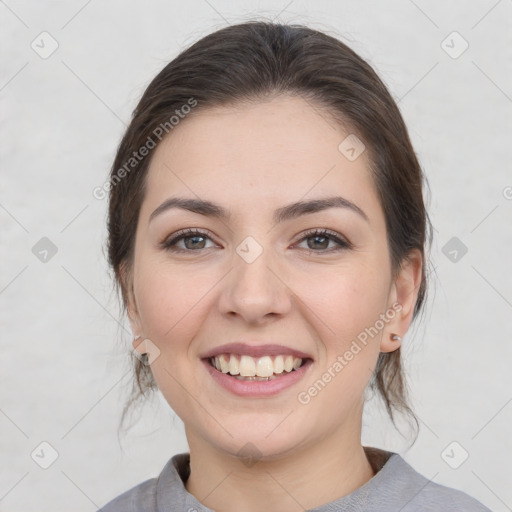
(64, 358)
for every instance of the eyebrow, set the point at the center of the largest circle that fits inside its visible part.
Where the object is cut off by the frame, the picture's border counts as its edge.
(293, 210)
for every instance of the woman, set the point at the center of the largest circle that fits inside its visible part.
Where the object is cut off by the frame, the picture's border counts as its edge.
(267, 231)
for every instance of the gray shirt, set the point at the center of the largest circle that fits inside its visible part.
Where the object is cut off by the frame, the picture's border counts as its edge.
(396, 486)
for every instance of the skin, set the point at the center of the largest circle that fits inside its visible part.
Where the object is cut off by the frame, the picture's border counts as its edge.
(252, 159)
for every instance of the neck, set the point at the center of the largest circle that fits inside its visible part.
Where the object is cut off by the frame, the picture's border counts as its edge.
(323, 472)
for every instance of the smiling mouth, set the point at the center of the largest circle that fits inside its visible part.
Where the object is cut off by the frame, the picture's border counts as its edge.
(247, 368)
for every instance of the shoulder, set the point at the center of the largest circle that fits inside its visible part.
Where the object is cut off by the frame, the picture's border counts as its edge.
(166, 492)
(141, 498)
(418, 493)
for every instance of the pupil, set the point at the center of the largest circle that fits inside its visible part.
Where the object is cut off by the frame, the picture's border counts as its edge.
(324, 238)
(196, 237)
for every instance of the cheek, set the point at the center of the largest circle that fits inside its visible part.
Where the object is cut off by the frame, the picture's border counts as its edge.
(171, 305)
(346, 299)
(168, 298)
(347, 302)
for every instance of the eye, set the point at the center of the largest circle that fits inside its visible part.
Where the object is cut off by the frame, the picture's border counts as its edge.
(193, 239)
(318, 240)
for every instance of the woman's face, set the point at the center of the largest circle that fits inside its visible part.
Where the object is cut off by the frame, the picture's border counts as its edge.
(260, 277)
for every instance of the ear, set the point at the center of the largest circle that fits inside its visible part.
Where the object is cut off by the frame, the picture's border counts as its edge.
(402, 300)
(131, 304)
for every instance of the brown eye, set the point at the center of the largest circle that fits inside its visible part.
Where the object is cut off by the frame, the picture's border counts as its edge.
(319, 240)
(194, 242)
(191, 240)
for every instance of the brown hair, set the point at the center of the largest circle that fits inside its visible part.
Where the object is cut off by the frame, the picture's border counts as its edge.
(255, 60)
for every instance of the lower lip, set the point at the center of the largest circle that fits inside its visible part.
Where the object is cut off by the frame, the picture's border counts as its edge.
(257, 388)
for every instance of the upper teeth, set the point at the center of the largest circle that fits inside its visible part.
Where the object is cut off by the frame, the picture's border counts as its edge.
(248, 366)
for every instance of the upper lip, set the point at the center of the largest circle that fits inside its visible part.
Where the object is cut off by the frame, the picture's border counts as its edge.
(254, 350)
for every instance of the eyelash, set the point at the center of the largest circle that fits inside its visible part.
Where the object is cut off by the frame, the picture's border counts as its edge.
(343, 244)
(325, 233)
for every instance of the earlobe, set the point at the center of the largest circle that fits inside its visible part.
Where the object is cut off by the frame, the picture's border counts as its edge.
(129, 297)
(408, 282)
(390, 343)
(403, 296)
(133, 317)
(138, 345)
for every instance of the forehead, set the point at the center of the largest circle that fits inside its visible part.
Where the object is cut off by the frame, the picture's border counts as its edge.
(259, 154)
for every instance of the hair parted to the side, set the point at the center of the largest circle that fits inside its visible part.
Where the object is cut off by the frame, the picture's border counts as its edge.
(252, 61)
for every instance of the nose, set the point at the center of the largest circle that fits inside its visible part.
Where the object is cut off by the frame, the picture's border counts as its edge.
(255, 291)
